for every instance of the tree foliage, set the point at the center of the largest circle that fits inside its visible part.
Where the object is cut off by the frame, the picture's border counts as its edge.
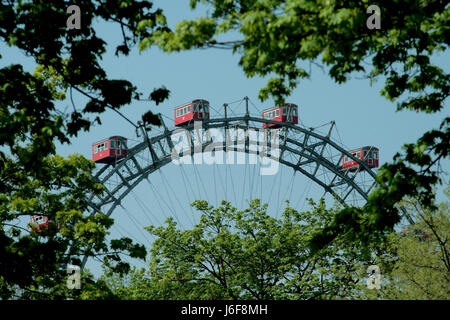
(32, 179)
(277, 35)
(35, 262)
(245, 254)
(68, 61)
(250, 255)
(278, 38)
(416, 264)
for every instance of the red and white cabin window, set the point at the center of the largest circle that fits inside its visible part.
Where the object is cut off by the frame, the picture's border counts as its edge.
(109, 150)
(39, 223)
(197, 110)
(369, 155)
(285, 114)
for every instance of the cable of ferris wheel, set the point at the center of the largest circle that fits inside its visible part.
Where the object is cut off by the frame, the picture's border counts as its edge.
(226, 183)
(144, 208)
(157, 197)
(279, 191)
(240, 100)
(290, 185)
(202, 184)
(171, 202)
(243, 187)
(118, 228)
(124, 233)
(234, 192)
(224, 186)
(257, 180)
(199, 197)
(289, 188)
(215, 185)
(168, 206)
(323, 125)
(157, 130)
(257, 109)
(172, 206)
(214, 109)
(273, 186)
(163, 115)
(303, 125)
(340, 138)
(261, 187)
(186, 190)
(303, 196)
(173, 192)
(135, 223)
(252, 181)
(231, 110)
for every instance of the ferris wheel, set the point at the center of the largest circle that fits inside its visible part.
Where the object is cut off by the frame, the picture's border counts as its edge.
(307, 160)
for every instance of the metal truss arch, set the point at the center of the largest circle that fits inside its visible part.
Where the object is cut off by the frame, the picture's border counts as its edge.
(312, 154)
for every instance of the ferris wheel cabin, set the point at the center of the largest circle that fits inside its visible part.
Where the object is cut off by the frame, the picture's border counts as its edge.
(39, 223)
(414, 231)
(109, 150)
(369, 155)
(196, 110)
(286, 114)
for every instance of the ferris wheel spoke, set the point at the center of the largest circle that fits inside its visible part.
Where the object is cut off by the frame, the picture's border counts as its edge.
(303, 195)
(215, 185)
(279, 191)
(273, 186)
(202, 185)
(233, 188)
(186, 191)
(159, 197)
(124, 233)
(145, 209)
(222, 184)
(166, 183)
(289, 188)
(136, 224)
(243, 187)
(251, 182)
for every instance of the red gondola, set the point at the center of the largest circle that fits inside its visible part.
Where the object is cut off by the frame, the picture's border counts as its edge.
(109, 150)
(287, 114)
(369, 155)
(39, 223)
(419, 234)
(196, 110)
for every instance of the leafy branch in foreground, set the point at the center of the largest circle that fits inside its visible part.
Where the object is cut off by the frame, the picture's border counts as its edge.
(32, 181)
(416, 264)
(247, 254)
(34, 263)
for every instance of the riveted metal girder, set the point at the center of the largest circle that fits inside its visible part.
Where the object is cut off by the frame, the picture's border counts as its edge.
(301, 149)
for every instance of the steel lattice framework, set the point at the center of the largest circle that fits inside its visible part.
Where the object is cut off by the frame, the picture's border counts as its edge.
(312, 154)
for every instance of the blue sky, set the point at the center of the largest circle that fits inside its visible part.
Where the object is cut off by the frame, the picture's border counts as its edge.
(362, 116)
